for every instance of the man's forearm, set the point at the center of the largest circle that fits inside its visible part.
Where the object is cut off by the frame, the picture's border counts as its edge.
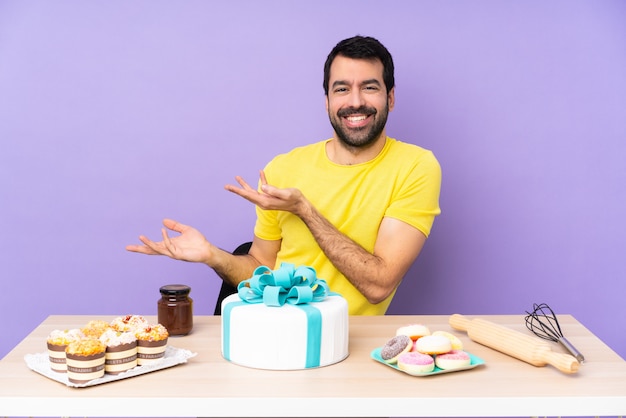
(360, 267)
(233, 269)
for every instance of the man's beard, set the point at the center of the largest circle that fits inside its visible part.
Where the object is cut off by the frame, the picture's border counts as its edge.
(360, 137)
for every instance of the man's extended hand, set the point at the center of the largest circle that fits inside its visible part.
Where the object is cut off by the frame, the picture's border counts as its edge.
(190, 245)
(270, 197)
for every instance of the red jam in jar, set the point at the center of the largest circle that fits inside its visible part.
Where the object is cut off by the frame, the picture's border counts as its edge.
(175, 309)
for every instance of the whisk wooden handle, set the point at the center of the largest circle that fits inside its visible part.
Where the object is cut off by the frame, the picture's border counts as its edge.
(513, 343)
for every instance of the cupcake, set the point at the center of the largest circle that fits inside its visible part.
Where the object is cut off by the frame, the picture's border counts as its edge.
(129, 323)
(94, 329)
(121, 351)
(151, 343)
(57, 342)
(85, 360)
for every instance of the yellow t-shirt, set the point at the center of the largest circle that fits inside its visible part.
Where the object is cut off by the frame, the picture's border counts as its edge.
(402, 182)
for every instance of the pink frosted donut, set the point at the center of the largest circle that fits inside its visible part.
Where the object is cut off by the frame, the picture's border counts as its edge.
(453, 360)
(414, 331)
(433, 344)
(394, 347)
(416, 363)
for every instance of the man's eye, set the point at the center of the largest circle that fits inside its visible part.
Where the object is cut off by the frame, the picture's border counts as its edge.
(371, 88)
(341, 90)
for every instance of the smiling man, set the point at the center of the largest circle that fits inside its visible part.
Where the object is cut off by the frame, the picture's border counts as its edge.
(357, 207)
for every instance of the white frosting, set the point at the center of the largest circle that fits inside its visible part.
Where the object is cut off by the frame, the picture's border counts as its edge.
(114, 338)
(65, 336)
(275, 338)
(129, 323)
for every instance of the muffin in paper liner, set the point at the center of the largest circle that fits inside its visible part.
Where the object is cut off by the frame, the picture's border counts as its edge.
(149, 352)
(95, 328)
(119, 358)
(151, 343)
(56, 355)
(85, 360)
(83, 369)
(129, 323)
(121, 351)
(56, 342)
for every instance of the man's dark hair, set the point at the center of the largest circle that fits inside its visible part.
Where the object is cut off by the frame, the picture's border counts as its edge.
(362, 47)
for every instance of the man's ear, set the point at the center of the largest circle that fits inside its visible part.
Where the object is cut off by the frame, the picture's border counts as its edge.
(391, 99)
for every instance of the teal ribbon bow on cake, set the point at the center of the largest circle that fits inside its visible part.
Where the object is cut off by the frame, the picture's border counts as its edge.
(287, 284)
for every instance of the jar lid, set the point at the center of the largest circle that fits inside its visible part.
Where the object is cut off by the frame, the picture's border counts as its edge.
(175, 289)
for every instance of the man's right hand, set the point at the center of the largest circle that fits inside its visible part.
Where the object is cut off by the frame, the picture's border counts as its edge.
(190, 245)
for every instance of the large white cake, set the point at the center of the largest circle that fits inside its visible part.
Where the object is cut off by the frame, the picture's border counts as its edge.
(287, 337)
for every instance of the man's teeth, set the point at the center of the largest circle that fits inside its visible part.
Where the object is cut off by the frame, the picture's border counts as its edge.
(356, 118)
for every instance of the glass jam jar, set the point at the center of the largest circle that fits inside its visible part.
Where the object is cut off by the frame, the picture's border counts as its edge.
(175, 309)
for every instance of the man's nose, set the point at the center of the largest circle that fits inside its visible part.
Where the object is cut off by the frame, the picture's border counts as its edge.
(356, 98)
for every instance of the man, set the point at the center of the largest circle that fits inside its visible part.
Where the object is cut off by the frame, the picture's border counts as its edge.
(357, 207)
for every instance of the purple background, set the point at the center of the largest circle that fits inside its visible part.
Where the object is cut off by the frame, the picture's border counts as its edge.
(114, 115)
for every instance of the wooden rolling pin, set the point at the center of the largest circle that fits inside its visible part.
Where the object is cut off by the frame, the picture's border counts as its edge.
(514, 343)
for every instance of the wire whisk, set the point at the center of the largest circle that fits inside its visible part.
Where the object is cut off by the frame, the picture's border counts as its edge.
(543, 323)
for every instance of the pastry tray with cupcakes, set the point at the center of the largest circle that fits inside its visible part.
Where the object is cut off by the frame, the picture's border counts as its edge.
(103, 352)
(416, 351)
(173, 356)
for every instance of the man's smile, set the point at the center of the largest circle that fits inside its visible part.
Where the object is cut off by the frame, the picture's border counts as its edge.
(356, 121)
(356, 117)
